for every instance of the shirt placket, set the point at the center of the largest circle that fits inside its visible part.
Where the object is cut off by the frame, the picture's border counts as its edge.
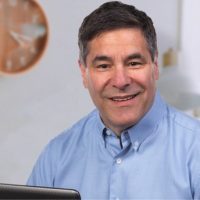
(118, 149)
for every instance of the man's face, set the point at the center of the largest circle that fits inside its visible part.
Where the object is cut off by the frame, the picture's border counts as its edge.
(120, 76)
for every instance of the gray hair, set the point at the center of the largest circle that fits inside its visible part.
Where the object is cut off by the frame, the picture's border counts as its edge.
(111, 16)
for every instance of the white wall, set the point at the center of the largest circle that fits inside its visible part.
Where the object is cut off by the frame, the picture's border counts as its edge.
(191, 43)
(36, 106)
(180, 84)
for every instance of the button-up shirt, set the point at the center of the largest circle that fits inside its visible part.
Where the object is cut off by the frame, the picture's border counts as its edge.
(157, 158)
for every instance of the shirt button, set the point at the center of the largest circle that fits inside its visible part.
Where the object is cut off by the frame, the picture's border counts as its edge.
(108, 133)
(136, 145)
(119, 161)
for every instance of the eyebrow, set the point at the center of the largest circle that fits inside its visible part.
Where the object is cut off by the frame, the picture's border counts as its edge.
(135, 56)
(101, 58)
(109, 59)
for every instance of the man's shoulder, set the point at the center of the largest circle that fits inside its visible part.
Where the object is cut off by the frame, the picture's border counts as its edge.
(183, 120)
(77, 130)
(69, 144)
(184, 131)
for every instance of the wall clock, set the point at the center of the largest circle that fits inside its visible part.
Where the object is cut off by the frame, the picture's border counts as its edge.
(23, 35)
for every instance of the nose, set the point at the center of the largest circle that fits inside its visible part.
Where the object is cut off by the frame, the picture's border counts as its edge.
(121, 78)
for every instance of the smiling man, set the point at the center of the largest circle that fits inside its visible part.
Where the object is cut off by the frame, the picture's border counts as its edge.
(133, 145)
(120, 76)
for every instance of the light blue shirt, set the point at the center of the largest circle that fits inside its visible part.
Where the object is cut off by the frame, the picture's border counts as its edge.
(158, 158)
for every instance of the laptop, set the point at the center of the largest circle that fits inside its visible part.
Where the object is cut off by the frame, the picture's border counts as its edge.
(10, 191)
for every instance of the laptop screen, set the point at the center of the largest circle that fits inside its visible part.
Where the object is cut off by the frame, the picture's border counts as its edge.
(8, 191)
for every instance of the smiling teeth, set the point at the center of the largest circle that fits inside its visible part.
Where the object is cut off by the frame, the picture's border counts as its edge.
(123, 99)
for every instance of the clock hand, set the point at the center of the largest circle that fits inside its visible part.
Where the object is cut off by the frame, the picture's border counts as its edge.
(16, 38)
(20, 39)
(33, 30)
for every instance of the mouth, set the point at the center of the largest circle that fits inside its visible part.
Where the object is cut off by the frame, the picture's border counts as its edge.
(124, 98)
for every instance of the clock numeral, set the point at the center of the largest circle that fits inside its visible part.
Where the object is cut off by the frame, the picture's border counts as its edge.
(33, 50)
(22, 60)
(26, 5)
(35, 18)
(9, 64)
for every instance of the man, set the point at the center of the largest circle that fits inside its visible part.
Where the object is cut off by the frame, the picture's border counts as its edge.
(134, 145)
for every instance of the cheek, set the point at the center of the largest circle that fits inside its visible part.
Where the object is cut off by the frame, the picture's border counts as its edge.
(146, 79)
(93, 84)
(90, 81)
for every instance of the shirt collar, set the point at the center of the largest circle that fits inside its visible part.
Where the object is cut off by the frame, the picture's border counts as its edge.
(145, 127)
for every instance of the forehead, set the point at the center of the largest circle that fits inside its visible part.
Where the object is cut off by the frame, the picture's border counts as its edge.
(118, 42)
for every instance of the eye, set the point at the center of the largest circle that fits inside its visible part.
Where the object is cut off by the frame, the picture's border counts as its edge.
(102, 67)
(134, 64)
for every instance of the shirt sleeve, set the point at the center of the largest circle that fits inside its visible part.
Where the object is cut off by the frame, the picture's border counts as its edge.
(195, 169)
(44, 170)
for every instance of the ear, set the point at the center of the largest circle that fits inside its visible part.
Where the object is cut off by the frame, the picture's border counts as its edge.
(156, 68)
(83, 70)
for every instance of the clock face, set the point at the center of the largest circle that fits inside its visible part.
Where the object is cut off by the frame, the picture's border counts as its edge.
(23, 35)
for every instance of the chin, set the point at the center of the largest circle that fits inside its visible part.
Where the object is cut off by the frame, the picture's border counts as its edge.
(126, 123)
